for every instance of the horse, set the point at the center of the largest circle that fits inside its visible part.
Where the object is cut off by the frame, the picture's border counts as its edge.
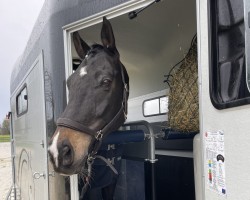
(97, 105)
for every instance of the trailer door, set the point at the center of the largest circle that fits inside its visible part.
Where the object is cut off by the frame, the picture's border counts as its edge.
(29, 127)
(224, 99)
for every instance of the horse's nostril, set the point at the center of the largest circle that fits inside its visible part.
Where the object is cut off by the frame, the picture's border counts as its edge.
(66, 151)
(67, 155)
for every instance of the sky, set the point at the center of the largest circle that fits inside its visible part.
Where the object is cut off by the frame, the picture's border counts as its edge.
(17, 19)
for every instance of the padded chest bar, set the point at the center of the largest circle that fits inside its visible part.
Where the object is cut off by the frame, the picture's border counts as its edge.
(175, 135)
(122, 137)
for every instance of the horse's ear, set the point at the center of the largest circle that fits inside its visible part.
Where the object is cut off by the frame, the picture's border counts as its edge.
(81, 47)
(107, 35)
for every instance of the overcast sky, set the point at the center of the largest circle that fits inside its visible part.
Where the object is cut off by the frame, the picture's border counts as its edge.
(17, 19)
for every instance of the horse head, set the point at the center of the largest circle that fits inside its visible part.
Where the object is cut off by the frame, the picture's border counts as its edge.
(97, 98)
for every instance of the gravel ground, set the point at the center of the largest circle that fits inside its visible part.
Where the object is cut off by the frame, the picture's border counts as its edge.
(5, 169)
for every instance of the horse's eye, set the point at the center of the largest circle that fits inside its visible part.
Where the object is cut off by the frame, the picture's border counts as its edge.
(106, 82)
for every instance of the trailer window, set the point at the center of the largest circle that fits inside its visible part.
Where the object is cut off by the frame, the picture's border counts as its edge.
(228, 84)
(155, 106)
(22, 102)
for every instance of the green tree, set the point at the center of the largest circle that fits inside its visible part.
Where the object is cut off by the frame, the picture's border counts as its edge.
(5, 129)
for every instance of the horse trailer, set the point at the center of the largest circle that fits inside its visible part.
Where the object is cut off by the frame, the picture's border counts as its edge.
(153, 158)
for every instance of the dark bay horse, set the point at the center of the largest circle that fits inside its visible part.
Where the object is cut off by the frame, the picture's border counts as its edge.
(98, 93)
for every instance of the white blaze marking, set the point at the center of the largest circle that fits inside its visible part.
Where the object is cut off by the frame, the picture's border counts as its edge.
(53, 148)
(83, 71)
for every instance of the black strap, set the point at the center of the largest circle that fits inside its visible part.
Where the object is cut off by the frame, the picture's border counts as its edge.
(65, 122)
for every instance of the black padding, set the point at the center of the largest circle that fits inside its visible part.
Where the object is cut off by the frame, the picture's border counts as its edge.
(230, 12)
(171, 134)
(231, 43)
(230, 79)
(123, 137)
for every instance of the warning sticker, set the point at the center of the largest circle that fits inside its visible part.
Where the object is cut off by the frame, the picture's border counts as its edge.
(215, 160)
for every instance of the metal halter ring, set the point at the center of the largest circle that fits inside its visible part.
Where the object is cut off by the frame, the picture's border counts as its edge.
(99, 135)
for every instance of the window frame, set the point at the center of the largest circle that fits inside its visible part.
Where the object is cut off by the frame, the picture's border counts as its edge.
(213, 54)
(154, 98)
(24, 87)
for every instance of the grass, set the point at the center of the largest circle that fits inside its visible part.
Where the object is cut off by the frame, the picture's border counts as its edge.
(4, 138)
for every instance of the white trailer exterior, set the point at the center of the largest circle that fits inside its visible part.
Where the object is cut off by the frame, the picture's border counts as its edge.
(234, 122)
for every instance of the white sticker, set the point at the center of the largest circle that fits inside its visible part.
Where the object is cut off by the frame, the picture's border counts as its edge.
(215, 161)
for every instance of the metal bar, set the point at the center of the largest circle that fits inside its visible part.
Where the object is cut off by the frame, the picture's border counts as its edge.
(151, 156)
(134, 14)
(150, 186)
(149, 164)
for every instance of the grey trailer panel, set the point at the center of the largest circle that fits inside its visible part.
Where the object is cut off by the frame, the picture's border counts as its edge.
(30, 135)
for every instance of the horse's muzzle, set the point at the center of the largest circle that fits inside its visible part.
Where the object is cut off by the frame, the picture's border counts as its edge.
(67, 150)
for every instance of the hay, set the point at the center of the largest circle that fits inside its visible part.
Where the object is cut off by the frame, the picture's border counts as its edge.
(183, 104)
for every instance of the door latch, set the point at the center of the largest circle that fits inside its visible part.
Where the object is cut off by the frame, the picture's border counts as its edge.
(38, 175)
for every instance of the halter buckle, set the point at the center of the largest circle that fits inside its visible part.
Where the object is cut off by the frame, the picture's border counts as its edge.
(126, 87)
(99, 135)
(90, 160)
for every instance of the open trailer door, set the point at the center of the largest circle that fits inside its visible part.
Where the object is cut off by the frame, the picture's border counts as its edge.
(223, 38)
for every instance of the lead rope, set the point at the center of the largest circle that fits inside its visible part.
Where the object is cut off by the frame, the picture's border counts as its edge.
(90, 162)
(108, 163)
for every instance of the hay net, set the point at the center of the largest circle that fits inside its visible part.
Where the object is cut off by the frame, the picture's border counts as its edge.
(183, 105)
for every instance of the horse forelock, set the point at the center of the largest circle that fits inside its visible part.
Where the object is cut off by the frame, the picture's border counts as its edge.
(97, 48)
